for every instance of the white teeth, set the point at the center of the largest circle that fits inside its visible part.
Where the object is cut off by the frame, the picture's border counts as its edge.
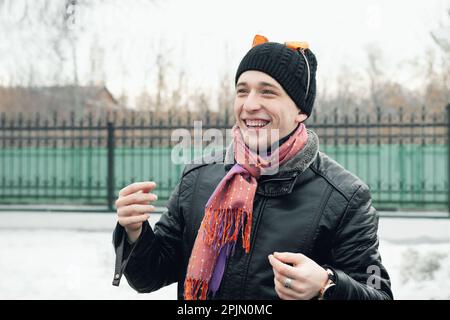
(256, 123)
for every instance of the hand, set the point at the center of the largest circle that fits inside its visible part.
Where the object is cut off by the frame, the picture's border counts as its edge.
(132, 207)
(307, 276)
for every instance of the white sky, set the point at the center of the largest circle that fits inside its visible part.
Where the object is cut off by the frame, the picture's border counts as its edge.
(208, 38)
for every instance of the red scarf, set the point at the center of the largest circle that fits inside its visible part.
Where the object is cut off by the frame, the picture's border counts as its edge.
(229, 211)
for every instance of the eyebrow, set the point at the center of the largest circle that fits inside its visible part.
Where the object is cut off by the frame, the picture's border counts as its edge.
(260, 84)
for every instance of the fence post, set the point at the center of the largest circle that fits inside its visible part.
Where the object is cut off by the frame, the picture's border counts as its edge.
(111, 180)
(448, 158)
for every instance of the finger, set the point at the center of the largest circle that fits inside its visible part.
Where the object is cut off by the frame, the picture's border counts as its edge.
(135, 209)
(283, 296)
(135, 198)
(290, 257)
(282, 268)
(147, 190)
(288, 293)
(295, 284)
(137, 186)
(125, 221)
(285, 293)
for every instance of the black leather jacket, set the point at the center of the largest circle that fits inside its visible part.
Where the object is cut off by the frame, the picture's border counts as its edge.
(311, 206)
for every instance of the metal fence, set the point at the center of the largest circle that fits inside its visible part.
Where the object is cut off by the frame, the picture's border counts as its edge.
(402, 156)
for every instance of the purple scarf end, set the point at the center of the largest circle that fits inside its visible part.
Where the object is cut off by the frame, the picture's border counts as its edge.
(219, 269)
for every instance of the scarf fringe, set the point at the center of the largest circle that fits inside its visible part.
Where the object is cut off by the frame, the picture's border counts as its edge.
(221, 226)
(192, 288)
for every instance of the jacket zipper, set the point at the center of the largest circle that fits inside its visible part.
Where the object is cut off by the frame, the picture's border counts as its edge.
(258, 219)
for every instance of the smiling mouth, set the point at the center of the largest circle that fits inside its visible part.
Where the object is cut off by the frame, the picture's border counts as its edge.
(256, 124)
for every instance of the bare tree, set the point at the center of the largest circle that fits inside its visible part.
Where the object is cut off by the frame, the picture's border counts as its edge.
(376, 75)
(226, 94)
(441, 35)
(161, 86)
(179, 92)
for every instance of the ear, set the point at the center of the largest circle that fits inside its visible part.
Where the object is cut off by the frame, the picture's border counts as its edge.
(300, 117)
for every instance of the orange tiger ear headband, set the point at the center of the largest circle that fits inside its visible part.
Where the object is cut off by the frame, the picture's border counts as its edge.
(294, 45)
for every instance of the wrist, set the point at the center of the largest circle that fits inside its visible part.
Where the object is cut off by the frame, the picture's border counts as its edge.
(133, 235)
(325, 291)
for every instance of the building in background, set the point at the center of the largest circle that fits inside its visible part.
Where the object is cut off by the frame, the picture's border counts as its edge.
(60, 99)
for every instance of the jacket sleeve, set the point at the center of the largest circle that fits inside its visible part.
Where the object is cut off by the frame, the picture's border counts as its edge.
(356, 261)
(153, 261)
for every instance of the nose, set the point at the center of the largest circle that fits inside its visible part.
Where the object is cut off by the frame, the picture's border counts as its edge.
(251, 103)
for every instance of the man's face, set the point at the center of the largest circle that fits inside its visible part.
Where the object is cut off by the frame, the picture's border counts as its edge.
(263, 110)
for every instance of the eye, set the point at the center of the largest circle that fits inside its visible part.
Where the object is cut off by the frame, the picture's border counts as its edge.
(241, 91)
(267, 92)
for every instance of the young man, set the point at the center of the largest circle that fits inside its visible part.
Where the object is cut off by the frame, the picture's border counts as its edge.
(307, 231)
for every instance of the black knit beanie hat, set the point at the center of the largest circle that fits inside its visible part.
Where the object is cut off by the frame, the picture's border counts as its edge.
(288, 67)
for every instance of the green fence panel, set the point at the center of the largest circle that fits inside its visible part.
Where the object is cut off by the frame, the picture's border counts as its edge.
(399, 175)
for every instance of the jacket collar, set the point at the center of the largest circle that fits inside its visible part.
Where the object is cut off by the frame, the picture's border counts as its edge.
(283, 181)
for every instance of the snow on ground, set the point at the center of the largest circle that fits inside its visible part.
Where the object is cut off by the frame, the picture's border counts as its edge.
(39, 264)
(62, 256)
(70, 256)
